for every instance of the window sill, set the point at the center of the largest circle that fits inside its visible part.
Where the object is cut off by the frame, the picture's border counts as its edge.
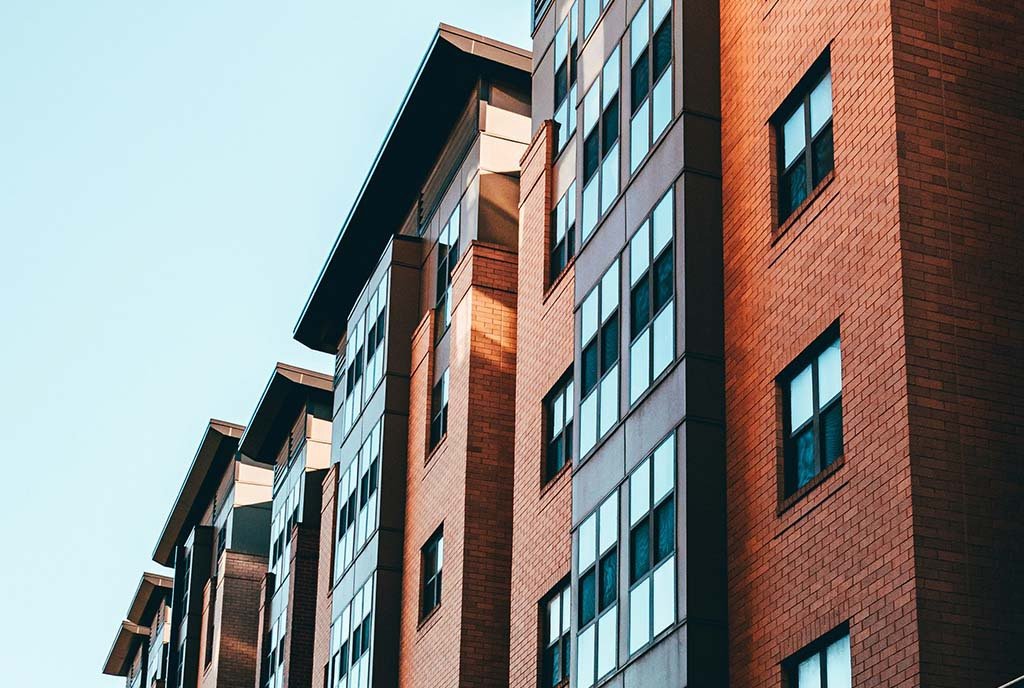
(427, 622)
(787, 503)
(794, 218)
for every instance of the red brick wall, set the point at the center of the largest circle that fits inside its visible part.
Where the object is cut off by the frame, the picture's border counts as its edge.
(844, 552)
(466, 484)
(237, 622)
(302, 606)
(325, 578)
(959, 99)
(542, 517)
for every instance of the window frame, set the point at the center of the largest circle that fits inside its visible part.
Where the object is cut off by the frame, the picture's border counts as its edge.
(600, 554)
(432, 552)
(597, 339)
(439, 397)
(564, 221)
(800, 97)
(563, 391)
(570, 98)
(653, 79)
(820, 647)
(446, 268)
(809, 359)
(601, 6)
(607, 106)
(562, 591)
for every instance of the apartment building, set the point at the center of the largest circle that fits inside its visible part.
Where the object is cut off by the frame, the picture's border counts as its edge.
(216, 539)
(140, 648)
(418, 593)
(290, 432)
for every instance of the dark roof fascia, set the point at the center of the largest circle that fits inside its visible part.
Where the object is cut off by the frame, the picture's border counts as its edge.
(123, 648)
(284, 397)
(152, 589)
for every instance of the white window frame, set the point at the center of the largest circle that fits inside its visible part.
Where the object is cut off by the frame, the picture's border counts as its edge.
(597, 640)
(602, 187)
(599, 406)
(650, 118)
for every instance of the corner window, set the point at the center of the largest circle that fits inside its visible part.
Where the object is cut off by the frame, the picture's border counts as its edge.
(599, 364)
(652, 546)
(362, 365)
(597, 594)
(804, 138)
(601, 145)
(439, 411)
(566, 48)
(813, 412)
(432, 558)
(650, 42)
(563, 233)
(823, 664)
(447, 259)
(558, 412)
(556, 621)
(591, 11)
(651, 302)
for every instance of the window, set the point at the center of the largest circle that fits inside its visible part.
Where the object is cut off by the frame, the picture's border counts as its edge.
(432, 561)
(601, 145)
(563, 232)
(558, 409)
(599, 367)
(364, 355)
(556, 621)
(354, 374)
(650, 77)
(357, 500)
(651, 304)
(824, 664)
(597, 591)
(273, 661)
(565, 79)
(376, 313)
(652, 546)
(813, 415)
(351, 642)
(804, 137)
(439, 411)
(591, 11)
(447, 259)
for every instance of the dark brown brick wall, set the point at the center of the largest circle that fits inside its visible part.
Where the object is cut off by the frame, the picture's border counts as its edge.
(542, 515)
(325, 577)
(959, 100)
(237, 622)
(302, 605)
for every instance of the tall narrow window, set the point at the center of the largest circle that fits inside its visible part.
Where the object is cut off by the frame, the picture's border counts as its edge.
(354, 358)
(566, 47)
(804, 137)
(432, 558)
(447, 259)
(650, 77)
(376, 318)
(556, 621)
(601, 145)
(563, 232)
(558, 411)
(439, 411)
(351, 642)
(652, 546)
(358, 490)
(823, 664)
(591, 11)
(813, 417)
(597, 592)
(599, 364)
(652, 287)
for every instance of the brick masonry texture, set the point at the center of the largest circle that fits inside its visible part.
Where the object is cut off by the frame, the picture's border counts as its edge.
(236, 622)
(542, 523)
(325, 577)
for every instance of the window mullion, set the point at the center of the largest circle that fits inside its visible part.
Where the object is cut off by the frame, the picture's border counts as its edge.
(808, 153)
(816, 416)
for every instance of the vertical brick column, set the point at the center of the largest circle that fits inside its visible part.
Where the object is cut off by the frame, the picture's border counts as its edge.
(325, 576)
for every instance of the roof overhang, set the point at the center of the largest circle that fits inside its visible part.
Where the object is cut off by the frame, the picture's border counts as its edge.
(215, 453)
(284, 397)
(123, 650)
(455, 61)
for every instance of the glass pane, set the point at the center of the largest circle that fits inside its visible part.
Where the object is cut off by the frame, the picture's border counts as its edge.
(832, 433)
(588, 320)
(639, 32)
(610, 343)
(830, 374)
(610, 176)
(661, 221)
(838, 672)
(561, 43)
(588, 423)
(610, 78)
(664, 350)
(566, 600)
(639, 616)
(639, 136)
(554, 619)
(793, 136)
(640, 307)
(609, 518)
(590, 209)
(660, 9)
(664, 595)
(570, 207)
(639, 366)
(808, 674)
(821, 151)
(609, 400)
(639, 81)
(801, 400)
(664, 530)
(609, 580)
(664, 465)
(552, 666)
(639, 551)
(639, 253)
(571, 104)
(569, 402)
(607, 641)
(610, 291)
(557, 414)
(591, 110)
(661, 52)
(561, 80)
(588, 596)
(662, 103)
(821, 104)
(663, 286)
(588, 542)
(589, 373)
(804, 456)
(585, 652)
(793, 189)
(640, 492)
(591, 155)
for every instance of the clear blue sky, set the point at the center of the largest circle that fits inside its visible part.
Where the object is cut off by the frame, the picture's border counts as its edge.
(172, 176)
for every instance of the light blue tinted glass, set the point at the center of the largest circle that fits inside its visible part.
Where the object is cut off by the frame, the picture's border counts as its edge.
(639, 253)
(808, 674)
(609, 522)
(793, 136)
(837, 664)
(591, 10)
(588, 422)
(588, 542)
(610, 77)
(640, 492)
(801, 401)
(664, 350)
(609, 400)
(590, 208)
(660, 8)
(610, 291)
(591, 109)
(610, 177)
(662, 103)
(639, 136)
(662, 219)
(665, 595)
(639, 615)
(821, 104)
(585, 657)
(607, 638)
(561, 43)
(639, 32)
(830, 374)
(588, 324)
(639, 365)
